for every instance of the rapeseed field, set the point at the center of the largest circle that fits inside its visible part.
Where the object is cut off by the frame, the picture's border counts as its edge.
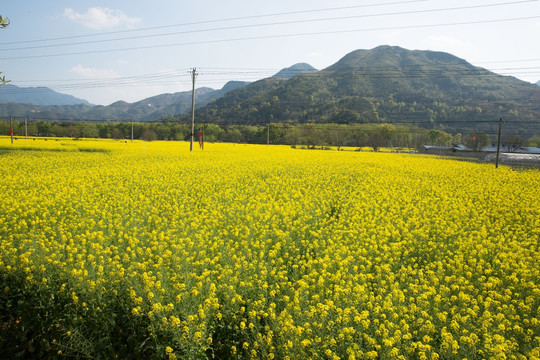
(145, 250)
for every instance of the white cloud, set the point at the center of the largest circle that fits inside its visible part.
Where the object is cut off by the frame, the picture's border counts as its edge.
(101, 18)
(92, 73)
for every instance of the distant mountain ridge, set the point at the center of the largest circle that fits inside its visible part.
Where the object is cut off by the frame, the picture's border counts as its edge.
(148, 109)
(37, 96)
(43, 96)
(300, 68)
(49, 104)
(386, 84)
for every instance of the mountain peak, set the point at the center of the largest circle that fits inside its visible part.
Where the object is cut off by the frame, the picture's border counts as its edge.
(294, 70)
(37, 96)
(388, 57)
(384, 84)
(232, 85)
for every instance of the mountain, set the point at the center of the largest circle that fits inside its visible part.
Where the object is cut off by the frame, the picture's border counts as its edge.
(148, 109)
(300, 68)
(538, 83)
(228, 87)
(36, 96)
(387, 84)
(159, 106)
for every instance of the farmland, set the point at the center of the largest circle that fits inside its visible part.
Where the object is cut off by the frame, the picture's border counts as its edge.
(114, 249)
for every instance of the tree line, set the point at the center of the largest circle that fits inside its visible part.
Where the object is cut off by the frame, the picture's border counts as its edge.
(309, 135)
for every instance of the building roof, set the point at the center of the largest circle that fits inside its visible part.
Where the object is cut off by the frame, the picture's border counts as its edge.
(489, 148)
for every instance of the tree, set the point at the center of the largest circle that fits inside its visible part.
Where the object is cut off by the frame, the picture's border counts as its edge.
(358, 136)
(88, 130)
(252, 134)
(43, 128)
(308, 136)
(278, 133)
(386, 131)
(346, 116)
(457, 139)
(212, 132)
(338, 136)
(3, 80)
(512, 143)
(476, 140)
(534, 141)
(4, 22)
(103, 130)
(57, 130)
(117, 134)
(148, 135)
(376, 139)
(162, 131)
(32, 129)
(72, 131)
(438, 137)
(232, 134)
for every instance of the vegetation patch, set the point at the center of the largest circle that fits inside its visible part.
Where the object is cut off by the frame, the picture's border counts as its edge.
(239, 252)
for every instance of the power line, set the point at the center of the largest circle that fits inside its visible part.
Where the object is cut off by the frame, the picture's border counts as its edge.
(172, 81)
(171, 77)
(326, 125)
(438, 71)
(273, 37)
(506, 61)
(164, 75)
(272, 24)
(218, 20)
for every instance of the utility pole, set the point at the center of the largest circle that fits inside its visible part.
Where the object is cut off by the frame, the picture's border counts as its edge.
(193, 75)
(25, 129)
(202, 137)
(11, 128)
(498, 144)
(268, 135)
(131, 130)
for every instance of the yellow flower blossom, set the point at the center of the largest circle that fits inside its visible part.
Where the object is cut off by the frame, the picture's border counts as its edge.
(300, 254)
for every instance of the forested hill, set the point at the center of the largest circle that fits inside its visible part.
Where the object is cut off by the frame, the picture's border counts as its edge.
(294, 70)
(37, 96)
(148, 109)
(386, 84)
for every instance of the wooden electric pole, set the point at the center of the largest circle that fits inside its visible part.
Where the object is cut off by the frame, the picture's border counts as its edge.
(498, 144)
(11, 128)
(193, 75)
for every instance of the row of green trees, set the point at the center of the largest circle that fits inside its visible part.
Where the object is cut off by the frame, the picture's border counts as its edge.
(308, 135)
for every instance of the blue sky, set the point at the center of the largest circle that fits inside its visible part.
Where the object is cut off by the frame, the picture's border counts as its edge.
(105, 51)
